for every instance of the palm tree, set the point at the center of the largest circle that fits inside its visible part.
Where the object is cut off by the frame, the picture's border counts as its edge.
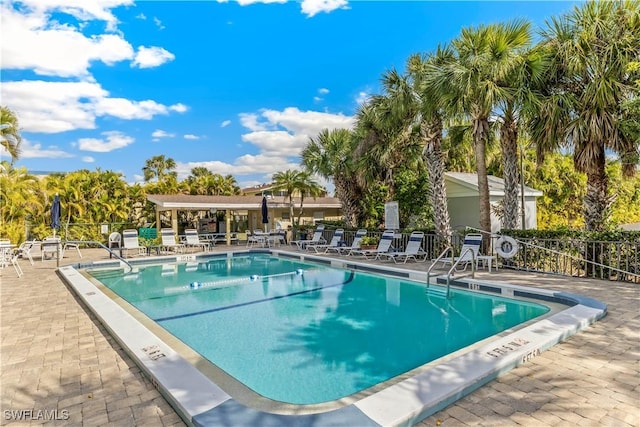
(308, 187)
(159, 167)
(587, 87)
(10, 135)
(290, 181)
(471, 83)
(429, 117)
(329, 155)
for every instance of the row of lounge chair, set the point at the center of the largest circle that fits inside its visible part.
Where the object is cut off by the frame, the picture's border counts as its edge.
(129, 243)
(469, 252)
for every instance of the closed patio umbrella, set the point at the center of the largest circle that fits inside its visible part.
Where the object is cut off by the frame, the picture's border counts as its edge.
(55, 214)
(265, 212)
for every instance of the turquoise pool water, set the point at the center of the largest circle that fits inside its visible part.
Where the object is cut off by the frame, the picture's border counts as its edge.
(307, 333)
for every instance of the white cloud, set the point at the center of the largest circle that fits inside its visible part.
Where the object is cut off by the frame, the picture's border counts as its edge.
(225, 123)
(157, 134)
(362, 98)
(318, 99)
(81, 9)
(158, 23)
(313, 7)
(88, 159)
(113, 140)
(148, 57)
(191, 137)
(29, 150)
(32, 42)
(179, 108)
(323, 91)
(248, 2)
(282, 135)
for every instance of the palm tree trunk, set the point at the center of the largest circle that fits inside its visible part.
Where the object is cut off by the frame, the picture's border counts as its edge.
(597, 203)
(349, 200)
(511, 175)
(434, 158)
(480, 136)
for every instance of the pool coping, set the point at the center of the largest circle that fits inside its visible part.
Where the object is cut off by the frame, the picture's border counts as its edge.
(201, 402)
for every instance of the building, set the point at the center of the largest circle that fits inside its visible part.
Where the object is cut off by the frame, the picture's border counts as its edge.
(464, 201)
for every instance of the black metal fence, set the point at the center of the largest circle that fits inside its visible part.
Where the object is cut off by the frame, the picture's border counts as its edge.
(607, 260)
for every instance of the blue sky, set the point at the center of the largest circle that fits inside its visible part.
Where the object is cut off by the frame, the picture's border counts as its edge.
(238, 86)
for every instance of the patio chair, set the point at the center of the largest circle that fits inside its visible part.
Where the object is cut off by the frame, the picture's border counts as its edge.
(193, 240)
(333, 244)
(468, 253)
(383, 246)
(169, 243)
(27, 249)
(9, 256)
(51, 248)
(355, 245)
(317, 238)
(130, 243)
(412, 251)
(257, 237)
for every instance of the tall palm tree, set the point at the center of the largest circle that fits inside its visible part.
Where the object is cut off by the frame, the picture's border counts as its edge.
(587, 87)
(308, 187)
(329, 155)
(159, 167)
(10, 133)
(290, 181)
(430, 116)
(471, 83)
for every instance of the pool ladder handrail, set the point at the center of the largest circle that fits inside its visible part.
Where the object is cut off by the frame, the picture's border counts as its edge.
(455, 263)
(95, 242)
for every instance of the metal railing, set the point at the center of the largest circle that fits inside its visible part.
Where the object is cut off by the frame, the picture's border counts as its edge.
(606, 260)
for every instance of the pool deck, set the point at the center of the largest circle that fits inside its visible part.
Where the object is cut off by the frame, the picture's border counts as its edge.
(58, 361)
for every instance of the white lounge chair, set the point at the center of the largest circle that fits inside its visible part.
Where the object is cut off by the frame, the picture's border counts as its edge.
(193, 240)
(468, 253)
(28, 248)
(383, 246)
(333, 244)
(9, 256)
(130, 243)
(412, 251)
(317, 239)
(52, 248)
(169, 243)
(355, 245)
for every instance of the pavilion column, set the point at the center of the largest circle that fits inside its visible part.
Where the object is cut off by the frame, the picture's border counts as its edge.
(174, 221)
(158, 219)
(227, 215)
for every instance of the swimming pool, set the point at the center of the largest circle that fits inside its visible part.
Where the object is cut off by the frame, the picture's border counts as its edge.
(194, 389)
(320, 333)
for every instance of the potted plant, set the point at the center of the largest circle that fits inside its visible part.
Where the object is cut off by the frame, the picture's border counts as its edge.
(369, 242)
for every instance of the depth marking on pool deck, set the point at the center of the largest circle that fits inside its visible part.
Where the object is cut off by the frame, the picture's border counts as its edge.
(213, 310)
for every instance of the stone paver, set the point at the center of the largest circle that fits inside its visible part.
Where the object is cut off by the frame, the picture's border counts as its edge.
(58, 361)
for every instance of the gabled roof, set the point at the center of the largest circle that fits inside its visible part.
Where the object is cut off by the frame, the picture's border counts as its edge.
(196, 202)
(462, 184)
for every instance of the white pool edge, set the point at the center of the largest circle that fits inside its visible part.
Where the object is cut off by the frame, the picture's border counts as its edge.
(197, 399)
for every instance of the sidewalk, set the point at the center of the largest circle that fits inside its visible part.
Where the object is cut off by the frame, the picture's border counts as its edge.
(56, 357)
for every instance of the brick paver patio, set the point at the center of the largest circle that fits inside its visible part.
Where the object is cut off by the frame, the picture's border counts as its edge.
(58, 361)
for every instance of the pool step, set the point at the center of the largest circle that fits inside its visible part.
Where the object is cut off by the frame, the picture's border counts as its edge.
(436, 291)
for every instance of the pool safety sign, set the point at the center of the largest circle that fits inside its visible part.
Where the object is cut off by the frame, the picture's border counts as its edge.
(391, 216)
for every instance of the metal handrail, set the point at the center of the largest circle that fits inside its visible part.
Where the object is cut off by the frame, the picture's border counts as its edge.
(458, 261)
(433, 264)
(76, 242)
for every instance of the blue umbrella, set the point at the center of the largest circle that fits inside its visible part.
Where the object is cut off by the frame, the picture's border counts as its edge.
(265, 211)
(55, 214)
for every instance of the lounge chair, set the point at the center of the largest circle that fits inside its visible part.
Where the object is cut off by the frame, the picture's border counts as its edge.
(316, 240)
(333, 244)
(169, 243)
(257, 237)
(355, 245)
(52, 248)
(383, 246)
(468, 253)
(412, 251)
(193, 240)
(27, 249)
(130, 243)
(9, 256)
